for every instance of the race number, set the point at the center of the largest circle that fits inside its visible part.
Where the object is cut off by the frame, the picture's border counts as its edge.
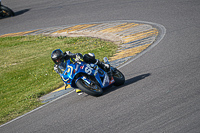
(88, 69)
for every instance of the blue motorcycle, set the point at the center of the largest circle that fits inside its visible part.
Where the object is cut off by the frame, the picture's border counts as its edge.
(90, 78)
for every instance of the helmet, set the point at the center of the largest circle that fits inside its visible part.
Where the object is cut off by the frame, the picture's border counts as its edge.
(57, 56)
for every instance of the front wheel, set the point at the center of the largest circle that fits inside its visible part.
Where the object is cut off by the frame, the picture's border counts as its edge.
(90, 89)
(118, 77)
(6, 12)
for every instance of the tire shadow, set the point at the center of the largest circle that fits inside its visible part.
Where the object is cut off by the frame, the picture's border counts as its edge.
(127, 82)
(21, 12)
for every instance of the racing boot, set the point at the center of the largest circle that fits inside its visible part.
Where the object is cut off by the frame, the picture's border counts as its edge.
(90, 58)
(105, 67)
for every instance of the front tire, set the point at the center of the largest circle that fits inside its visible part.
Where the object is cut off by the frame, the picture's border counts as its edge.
(118, 77)
(94, 90)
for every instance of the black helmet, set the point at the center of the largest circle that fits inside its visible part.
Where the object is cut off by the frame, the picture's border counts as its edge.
(57, 56)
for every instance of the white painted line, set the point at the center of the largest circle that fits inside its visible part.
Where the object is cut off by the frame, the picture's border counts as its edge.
(37, 108)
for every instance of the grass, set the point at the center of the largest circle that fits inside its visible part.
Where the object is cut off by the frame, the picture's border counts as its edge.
(26, 68)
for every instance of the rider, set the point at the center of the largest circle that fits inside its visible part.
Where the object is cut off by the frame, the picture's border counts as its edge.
(59, 59)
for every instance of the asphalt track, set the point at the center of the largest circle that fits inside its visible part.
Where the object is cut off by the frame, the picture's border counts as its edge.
(162, 89)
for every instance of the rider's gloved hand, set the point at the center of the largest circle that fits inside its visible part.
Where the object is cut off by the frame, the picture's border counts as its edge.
(67, 52)
(79, 57)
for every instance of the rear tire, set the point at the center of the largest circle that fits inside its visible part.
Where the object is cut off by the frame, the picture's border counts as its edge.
(6, 12)
(94, 90)
(118, 77)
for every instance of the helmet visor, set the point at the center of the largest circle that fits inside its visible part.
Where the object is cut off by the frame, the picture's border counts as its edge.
(58, 61)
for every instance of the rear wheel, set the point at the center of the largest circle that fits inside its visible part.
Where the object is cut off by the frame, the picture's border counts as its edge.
(6, 12)
(90, 89)
(118, 77)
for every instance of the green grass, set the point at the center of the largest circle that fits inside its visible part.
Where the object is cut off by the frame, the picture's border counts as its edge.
(26, 68)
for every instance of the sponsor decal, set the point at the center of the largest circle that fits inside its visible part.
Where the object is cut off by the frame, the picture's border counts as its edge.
(112, 80)
(106, 80)
(81, 67)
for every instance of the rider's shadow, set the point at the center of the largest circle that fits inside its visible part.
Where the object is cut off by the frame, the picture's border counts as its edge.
(127, 82)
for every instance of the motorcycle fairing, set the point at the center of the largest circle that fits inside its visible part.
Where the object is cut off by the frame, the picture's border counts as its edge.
(90, 69)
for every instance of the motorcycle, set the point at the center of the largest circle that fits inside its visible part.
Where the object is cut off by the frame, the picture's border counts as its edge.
(91, 79)
(5, 11)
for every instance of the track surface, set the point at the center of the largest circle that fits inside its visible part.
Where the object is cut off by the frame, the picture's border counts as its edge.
(162, 89)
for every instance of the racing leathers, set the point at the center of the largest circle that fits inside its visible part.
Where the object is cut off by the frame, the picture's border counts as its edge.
(74, 57)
